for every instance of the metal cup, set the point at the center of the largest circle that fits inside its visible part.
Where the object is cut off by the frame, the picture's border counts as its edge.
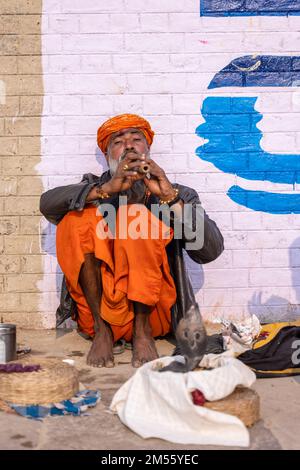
(8, 345)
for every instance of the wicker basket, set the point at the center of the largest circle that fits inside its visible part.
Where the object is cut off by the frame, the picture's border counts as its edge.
(54, 382)
(242, 403)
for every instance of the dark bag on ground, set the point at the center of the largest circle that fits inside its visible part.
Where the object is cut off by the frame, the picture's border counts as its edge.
(276, 353)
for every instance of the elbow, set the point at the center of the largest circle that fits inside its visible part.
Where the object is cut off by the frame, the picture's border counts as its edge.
(46, 209)
(215, 242)
(213, 249)
(43, 204)
(210, 252)
(217, 249)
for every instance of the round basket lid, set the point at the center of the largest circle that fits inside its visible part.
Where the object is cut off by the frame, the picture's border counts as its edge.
(54, 382)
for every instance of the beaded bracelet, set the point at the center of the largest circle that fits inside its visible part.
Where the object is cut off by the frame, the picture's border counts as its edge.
(173, 200)
(102, 194)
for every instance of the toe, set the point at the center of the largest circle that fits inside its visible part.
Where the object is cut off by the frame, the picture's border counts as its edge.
(109, 363)
(95, 362)
(136, 363)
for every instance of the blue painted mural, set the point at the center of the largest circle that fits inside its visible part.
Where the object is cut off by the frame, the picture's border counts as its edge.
(249, 7)
(259, 70)
(234, 147)
(233, 137)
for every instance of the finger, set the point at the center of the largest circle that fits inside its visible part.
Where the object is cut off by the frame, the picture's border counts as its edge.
(154, 168)
(128, 182)
(135, 164)
(128, 163)
(140, 168)
(129, 173)
(152, 163)
(138, 176)
(133, 156)
(122, 173)
(146, 181)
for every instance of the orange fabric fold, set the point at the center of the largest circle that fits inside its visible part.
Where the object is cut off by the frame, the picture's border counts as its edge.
(132, 269)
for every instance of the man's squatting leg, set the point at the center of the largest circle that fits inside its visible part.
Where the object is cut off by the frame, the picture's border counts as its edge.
(101, 352)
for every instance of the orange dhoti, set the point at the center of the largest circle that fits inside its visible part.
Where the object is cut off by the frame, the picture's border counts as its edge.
(132, 269)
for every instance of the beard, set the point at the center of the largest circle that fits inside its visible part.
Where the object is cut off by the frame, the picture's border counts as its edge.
(135, 194)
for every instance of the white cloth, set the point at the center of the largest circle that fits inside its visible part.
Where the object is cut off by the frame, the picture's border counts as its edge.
(239, 336)
(159, 404)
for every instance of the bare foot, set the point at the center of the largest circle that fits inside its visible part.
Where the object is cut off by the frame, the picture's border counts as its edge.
(101, 352)
(144, 350)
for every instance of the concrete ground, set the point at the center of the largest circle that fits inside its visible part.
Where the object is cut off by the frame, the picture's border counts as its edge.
(279, 427)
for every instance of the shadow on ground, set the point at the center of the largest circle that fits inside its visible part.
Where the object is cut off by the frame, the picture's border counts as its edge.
(101, 430)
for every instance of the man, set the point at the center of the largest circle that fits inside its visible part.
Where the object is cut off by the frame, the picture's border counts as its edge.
(126, 287)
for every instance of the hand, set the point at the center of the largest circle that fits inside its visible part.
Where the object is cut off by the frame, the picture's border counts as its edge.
(158, 184)
(123, 179)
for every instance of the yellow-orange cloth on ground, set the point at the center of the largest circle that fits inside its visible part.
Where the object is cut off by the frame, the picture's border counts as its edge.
(123, 121)
(131, 269)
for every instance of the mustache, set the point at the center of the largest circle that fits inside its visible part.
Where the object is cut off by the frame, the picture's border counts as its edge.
(126, 152)
(113, 164)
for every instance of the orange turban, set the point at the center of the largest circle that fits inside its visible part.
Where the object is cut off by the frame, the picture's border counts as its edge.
(123, 121)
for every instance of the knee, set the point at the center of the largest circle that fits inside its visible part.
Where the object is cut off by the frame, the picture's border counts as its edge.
(74, 220)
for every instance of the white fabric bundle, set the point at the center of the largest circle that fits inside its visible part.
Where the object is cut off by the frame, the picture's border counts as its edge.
(159, 404)
(239, 336)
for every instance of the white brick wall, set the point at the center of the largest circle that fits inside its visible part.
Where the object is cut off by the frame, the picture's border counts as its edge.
(156, 58)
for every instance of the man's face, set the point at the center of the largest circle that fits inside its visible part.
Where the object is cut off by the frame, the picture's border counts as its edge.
(126, 141)
(121, 144)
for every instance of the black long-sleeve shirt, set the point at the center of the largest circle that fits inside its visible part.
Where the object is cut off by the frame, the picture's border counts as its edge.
(57, 202)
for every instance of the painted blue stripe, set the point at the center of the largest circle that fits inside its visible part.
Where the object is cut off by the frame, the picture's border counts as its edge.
(273, 203)
(249, 7)
(234, 142)
(259, 71)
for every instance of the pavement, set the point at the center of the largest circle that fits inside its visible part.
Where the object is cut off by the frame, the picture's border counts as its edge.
(278, 428)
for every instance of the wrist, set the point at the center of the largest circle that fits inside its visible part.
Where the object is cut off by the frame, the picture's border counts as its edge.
(167, 197)
(102, 191)
(106, 188)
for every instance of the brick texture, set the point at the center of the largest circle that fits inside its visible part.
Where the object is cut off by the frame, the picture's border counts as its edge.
(20, 129)
(158, 60)
(69, 65)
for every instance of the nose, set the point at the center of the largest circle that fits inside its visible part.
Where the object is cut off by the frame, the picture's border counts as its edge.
(129, 144)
